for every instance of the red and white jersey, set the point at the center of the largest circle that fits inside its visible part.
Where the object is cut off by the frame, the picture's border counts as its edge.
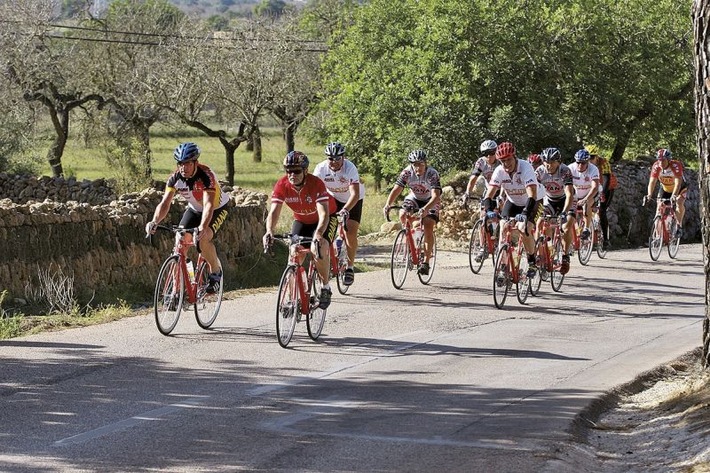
(192, 189)
(554, 183)
(303, 201)
(583, 181)
(668, 175)
(338, 182)
(515, 184)
(484, 168)
(420, 186)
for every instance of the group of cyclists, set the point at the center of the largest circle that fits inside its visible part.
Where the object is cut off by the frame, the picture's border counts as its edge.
(515, 188)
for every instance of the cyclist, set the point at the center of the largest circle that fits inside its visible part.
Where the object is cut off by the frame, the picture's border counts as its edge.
(517, 178)
(535, 159)
(424, 195)
(606, 189)
(206, 206)
(483, 166)
(313, 211)
(343, 183)
(559, 196)
(585, 177)
(669, 172)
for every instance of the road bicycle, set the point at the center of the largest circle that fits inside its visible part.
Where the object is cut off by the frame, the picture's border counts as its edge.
(663, 230)
(408, 251)
(180, 284)
(583, 246)
(339, 256)
(299, 291)
(548, 251)
(511, 266)
(486, 230)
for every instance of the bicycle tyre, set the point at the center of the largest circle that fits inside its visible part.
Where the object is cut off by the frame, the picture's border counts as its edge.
(674, 242)
(540, 247)
(426, 278)
(287, 306)
(586, 246)
(206, 305)
(474, 247)
(501, 277)
(556, 277)
(399, 262)
(655, 241)
(169, 294)
(316, 316)
(340, 273)
(522, 287)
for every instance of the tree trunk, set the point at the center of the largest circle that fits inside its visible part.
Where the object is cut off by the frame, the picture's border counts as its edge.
(60, 121)
(289, 136)
(701, 22)
(256, 141)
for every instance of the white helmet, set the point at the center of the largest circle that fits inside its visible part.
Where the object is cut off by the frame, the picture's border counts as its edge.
(488, 147)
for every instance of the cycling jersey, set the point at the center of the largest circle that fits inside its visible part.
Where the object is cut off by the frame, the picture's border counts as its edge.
(583, 181)
(515, 184)
(554, 183)
(483, 167)
(303, 201)
(668, 175)
(338, 182)
(420, 186)
(605, 168)
(192, 188)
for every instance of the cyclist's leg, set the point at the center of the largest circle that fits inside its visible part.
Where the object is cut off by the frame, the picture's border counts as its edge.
(209, 252)
(603, 218)
(680, 205)
(429, 222)
(351, 232)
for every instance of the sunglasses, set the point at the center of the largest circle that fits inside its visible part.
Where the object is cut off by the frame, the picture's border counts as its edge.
(335, 158)
(296, 171)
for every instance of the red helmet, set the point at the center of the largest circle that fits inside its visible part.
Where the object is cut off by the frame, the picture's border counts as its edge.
(664, 154)
(535, 159)
(505, 150)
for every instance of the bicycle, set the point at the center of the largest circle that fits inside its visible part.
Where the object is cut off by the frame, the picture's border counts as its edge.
(583, 246)
(511, 267)
(485, 230)
(178, 283)
(339, 257)
(299, 291)
(598, 235)
(664, 229)
(548, 251)
(408, 252)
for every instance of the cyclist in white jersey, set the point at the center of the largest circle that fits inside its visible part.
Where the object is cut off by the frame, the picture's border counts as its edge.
(342, 180)
(424, 194)
(517, 178)
(585, 178)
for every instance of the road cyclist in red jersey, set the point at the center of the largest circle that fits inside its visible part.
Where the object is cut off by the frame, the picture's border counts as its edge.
(669, 173)
(424, 186)
(206, 206)
(313, 211)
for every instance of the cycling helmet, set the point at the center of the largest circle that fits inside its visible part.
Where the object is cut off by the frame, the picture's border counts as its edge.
(334, 150)
(593, 150)
(296, 158)
(582, 156)
(505, 150)
(535, 159)
(186, 152)
(417, 155)
(488, 147)
(664, 153)
(551, 154)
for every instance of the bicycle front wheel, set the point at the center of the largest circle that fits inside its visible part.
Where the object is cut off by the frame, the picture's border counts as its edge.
(426, 278)
(316, 315)
(287, 307)
(556, 277)
(522, 286)
(586, 246)
(655, 241)
(169, 294)
(674, 244)
(399, 264)
(501, 277)
(541, 257)
(342, 265)
(206, 305)
(599, 241)
(475, 247)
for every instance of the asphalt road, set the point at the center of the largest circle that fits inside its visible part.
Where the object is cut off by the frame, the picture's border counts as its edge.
(423, 379)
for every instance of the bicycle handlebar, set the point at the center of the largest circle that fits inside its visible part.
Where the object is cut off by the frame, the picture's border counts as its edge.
(397, 207)
(295, 239)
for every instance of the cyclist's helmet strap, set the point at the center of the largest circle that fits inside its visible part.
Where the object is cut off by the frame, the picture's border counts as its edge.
(186, 152)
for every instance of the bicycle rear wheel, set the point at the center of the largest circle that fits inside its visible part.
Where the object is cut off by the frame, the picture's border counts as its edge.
(674, 243)
(287, 306)
(556, 277)
(426, 278)
(206, 305)
(169, 294)
(399, 264)
(475, 247)
(540, 256)
(655, 241)
(316, 316)
(501, 277)
(342, 265)
(599, 241)
(586, 246)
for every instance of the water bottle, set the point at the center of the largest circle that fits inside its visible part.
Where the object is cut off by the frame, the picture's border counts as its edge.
(190, 269)
(494, 230)
(418, 233)
(338, 246)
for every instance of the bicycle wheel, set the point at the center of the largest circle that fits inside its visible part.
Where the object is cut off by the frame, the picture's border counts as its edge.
(475, 247)
(540, 252)
(556, 277)
(169, 294)
(287, 306)
(522, 287)
(342, 262)
(316, 316)
(674, 242)
(399, 264)
(501, 277)
(586, 246)
(426, 278)
(599, 242)
(655, 241)
(206, 305)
